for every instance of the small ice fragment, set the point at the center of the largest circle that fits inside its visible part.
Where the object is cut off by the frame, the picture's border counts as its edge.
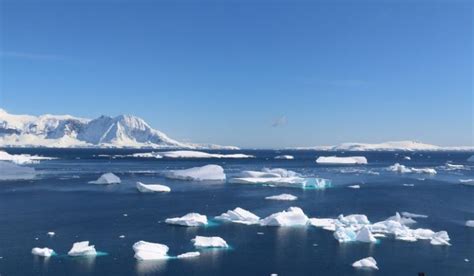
(412, 215)
(208, 172)
(368, 262)
(470, 223)
(82, 249)
(409, 185)
(466, 260)
(191, 219)
(468, 182)
(287, 157)
(211, 242)
(341, 160)
(43, 252)
(239, 215)
(354, 186)
(51, 234)
(36, 238)
(150, 251)
(407, 157)
(188, 255)
(152, 188)
(287, 197)
(122, 236)
(107, 178)
(125, 215)
(293, 216)
(260, 233)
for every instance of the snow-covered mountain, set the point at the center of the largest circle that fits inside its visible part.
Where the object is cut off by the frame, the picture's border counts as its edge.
(388, 146)
(65, 131)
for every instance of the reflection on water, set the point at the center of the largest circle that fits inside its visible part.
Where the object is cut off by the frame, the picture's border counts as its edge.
(151, 267)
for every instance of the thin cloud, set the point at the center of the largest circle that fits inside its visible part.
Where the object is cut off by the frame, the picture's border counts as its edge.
(280, 121)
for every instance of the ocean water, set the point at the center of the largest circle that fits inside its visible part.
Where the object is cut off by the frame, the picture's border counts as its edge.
(59, 199)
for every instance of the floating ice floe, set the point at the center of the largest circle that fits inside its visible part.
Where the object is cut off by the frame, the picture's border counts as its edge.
(368, 262)
(341, 160)
(209, 242)
(409, 185)
(22, 159)
(470, 223)
(282, 178)
(354, 186)
(407, 157)
(191, 219)
(107, 178)
(51, 234)
(152, 188)
(43, 252)
(397, 167)
(11, 171)
(452, 167)
(208, 172)
(286, 197)
(190, 154)
(82, 249)
(293, 216)
(287, 157)
(188, 255)
(145, 251)
(468, 182)
(239, 215)
(412, 215)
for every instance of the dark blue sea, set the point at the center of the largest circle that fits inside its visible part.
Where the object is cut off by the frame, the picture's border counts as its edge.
(60, 199)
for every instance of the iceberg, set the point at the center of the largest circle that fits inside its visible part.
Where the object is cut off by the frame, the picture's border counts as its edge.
(51, 234)
(208, 172)
(22, 159)
(11, 171)
(368, 262)
(209, 242)
(364, 235)
(413, 215)
(188, 255)
(239, 215)
(470, 223)
(190, 154)
(145, 251)
(397, 167)
(191, 219)
(287, 197)
(286, 157)
(43, 252)
(345, 234)
(341, 160)
(468, 182)
(293, 216)
(440, 238)
(82, 249)
(354, 186)
(325, 223)
(152, 188)
(107, 178)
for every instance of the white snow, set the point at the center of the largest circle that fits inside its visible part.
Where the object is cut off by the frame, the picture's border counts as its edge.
(397, 167)
(107, 178)
(191, 219)
(341, 160)
(470, 223)
(82, 249)
(43, 252)
(190, 154)
(368, 262)
(354, 186)
(22, 159)
(208, 172)
(188, 255)
(287, 197)
(152, 188)
(239, 215)
(287, 157)
(11, 171)
(211, 242)
(145, 251)
(293, 216)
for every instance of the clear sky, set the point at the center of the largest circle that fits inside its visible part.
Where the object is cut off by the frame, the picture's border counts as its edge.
(248, 73)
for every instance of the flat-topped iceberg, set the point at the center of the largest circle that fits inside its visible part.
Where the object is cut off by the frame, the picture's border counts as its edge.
(43, 252)
(11, 171)
(207, 172)
(239, 215)
(152, 188)
(354, 186)
(293, 216)
(287, 197)
(397, 167)
(107, 178)
(341, 160)
(286, 157)
(368, 262)
(209, 242)
(82, 249)
(145, 251)
(188, 255)
(190, 154)
(22, 159)
(191, 219)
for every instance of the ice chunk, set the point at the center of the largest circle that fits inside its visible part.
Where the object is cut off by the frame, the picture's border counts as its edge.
(325, 223)
(287, 197)
(150, 251)
(345, 234)
(188, 255)
(341, 160)
(294, 216)
(239, 215)
(107, 178)
(409, 185)
(470, 223)
(468, 182)
(354, 186)
(368, 262)
(213, 242)
(43, 252)
(287, 157)
(364, 235)
(440, 238)
(397, 167)
(11, 171)
(22, 159)
(355, 219)
(407, 157)
(82, 249)
(190, 154)
(51, 234)
(453, 167)
(208, 172)
(152, 188)
(191, 219)
(413, 215)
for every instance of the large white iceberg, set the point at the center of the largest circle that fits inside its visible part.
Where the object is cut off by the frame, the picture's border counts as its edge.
(397, 167)
(82, 249)
(285, 197)
(145, 251)
(368, 262)
(287, 157)
(152, 188)
(43, 252)
(190, 154)
(11, 171)
(341, 160)
(107, 178)
(293, 216)
(239, 215)
(208, 172)
(22, 159)
(191, 219)
(211, 242)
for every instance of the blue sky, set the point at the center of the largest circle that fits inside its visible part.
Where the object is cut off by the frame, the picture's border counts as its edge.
(248, 73)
